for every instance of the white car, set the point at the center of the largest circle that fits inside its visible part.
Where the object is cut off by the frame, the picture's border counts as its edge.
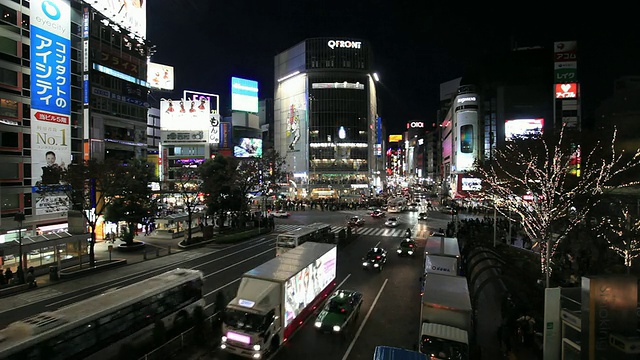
(392, 222)
(281, 214)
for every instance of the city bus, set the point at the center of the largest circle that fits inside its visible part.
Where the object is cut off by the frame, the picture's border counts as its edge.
(316, 232)
(96, 327)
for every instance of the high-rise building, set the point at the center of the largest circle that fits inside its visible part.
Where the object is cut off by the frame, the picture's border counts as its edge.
(325, 117)
(72, 87)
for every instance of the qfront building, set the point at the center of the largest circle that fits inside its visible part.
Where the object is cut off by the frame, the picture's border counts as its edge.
(325, 118)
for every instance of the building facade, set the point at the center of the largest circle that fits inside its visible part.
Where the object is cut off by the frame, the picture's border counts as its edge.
(325, 116)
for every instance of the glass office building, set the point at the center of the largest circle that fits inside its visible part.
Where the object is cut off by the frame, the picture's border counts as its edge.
(325, 114)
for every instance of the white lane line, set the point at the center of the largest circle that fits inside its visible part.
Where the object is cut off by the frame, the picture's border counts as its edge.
(346, 354)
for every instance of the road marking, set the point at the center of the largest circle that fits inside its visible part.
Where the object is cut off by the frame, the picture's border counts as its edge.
(346, 354)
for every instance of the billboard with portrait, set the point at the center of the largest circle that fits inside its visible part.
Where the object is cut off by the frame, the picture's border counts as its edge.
(50, 103)
(248, 147)
(130, 14)
(185, 114)
(522, 127)
(302, 288)
(244, 95)
(292, 124)
(160, 76)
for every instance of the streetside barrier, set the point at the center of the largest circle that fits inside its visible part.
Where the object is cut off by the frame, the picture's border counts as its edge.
(186, 339)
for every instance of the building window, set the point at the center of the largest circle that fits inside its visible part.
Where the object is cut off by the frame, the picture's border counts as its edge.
(8, 139)
(8, 77)
(9, 15)
(10, 201)
(9, 171)
(8, 46)
(8, 108)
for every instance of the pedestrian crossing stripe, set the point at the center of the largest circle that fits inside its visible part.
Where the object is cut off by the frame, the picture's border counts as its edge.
(359, 231)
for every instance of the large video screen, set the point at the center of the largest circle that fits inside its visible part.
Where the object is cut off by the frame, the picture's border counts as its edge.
(302, 288)
(244, 95)
(248, 147)
(522, 127)
(160, 76)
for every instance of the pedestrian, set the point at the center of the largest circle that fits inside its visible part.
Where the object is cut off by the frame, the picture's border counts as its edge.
(8, 275)
(31, 278)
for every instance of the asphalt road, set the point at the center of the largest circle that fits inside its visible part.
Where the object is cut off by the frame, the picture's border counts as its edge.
(390, 311)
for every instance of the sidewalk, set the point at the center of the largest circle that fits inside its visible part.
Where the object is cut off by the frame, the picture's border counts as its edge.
(154, 246)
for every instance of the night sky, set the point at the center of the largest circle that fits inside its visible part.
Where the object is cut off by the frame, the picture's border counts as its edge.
(416, 45)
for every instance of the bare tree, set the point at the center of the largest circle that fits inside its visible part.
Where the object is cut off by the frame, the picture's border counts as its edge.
(539, 168)
(187, 186)
(622, 233)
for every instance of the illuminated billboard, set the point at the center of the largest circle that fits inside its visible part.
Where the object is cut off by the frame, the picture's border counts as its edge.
(291, 123)
(160, 76)
(50, 103)
(248, 147)
(395, 138)
(302, 288)
(184, 115)
(130, 14)
(566, 91)
(522, 127)
(244, 95)
(471, 184)
(214, 104)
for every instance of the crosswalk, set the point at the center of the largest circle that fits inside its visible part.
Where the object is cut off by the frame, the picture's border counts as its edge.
(360, 231)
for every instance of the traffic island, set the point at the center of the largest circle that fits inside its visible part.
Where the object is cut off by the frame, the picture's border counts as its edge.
(132, 246)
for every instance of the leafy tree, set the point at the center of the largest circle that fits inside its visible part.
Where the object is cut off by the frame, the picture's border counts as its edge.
(130, 196)
(218, 185)
(89, 182)
(187, 185)
(559, 201)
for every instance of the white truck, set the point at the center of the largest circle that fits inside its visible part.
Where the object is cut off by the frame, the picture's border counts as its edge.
(275, 298)
(445, 317)
(443, 246)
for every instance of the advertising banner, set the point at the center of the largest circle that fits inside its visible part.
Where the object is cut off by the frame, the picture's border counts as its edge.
(130, 14)
(160, 76)
(244, 95)
(50, 103)
(184, 115)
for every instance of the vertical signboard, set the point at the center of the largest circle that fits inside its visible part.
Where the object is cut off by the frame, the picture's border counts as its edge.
(50, 102)
(565, 61)
(609, 306)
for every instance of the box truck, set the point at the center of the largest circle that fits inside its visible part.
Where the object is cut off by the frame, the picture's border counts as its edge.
(275, 298)
(443, 246)
(445, 317)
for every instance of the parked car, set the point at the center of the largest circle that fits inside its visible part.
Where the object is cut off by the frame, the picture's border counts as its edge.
(374, 259)
(392, 222)
(355, 221)
(281, 214)
(339, 312)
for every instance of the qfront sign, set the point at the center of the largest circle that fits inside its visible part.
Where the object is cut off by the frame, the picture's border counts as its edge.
(347, 44)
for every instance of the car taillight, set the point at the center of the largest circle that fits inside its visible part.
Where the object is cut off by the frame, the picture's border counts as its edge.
(377, 257)
(411, 245)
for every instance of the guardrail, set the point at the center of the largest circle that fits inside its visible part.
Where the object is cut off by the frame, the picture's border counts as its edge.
(186, 339)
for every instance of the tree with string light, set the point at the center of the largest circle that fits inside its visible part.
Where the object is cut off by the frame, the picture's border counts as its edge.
(530, 180)
(622, 233)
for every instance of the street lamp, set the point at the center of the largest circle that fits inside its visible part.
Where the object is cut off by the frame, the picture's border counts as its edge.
(19, 217)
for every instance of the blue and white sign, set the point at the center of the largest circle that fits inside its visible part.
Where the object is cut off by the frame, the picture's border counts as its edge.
(51, 56)
(244, 95)
(50, 102)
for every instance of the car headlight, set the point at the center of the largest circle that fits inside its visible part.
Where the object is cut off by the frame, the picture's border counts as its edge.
(375, 265)
(365, 263)
(223, 346)
(256, 356)
(318, 324)
(399, 251)
(224, 339)
(336, 328)
(256, 347)
(410, 252)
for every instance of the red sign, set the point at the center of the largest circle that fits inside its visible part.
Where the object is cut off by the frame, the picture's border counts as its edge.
(567, 91)
(54, 118)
